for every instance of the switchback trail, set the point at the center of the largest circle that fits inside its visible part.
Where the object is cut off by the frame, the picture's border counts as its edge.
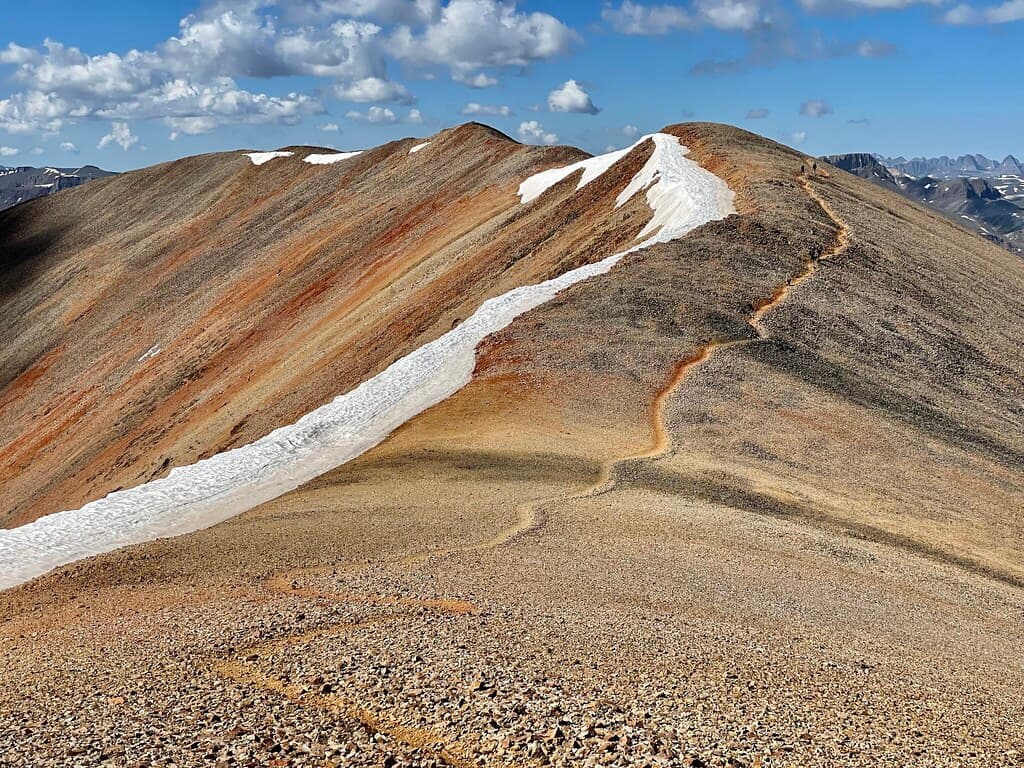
(243, 668)
(531, 514)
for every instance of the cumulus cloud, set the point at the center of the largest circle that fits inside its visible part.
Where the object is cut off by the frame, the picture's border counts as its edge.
(121, 135)
(1004, 13)
(815, 108)
(374, 115)
(415, 117)
(629, 131)
(632, 18)
(485, 109)
(757, 114)
(532, 132)
(373, 89)
(330, 128)
(571, 97)
(8, 151)
(473, 35)
(870, 5)
(798, 137)
(35, 112)
(479, 80)
(192, 77)
(68, 146)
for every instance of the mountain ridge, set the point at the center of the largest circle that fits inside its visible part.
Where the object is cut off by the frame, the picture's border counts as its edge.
(767, 473)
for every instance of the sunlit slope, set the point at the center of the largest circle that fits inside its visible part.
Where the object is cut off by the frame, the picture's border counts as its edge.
(172, 313)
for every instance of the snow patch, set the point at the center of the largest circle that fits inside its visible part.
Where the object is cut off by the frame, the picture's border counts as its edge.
(334, 157)
(150, 353)
(682, 196)
(418, 147)
(593, 167)
(259, 158)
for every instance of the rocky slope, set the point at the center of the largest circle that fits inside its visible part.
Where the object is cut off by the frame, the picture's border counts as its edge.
(753, 497)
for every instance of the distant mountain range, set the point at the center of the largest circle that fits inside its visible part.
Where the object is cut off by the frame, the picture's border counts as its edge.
(990, 204)
(949, 167)
(18, 185)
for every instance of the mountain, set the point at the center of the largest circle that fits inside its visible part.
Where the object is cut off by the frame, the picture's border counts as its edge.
(991, 209)
(1010, 167)
(946, 167)
(17, 185)
(743, 486)
(865, 166)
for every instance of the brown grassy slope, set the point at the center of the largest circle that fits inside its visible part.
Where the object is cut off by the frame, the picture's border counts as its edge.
(269, 289)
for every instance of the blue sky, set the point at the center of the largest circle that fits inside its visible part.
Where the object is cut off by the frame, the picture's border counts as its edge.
(127, 84)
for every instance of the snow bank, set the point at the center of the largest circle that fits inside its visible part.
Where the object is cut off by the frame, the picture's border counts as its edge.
(538, 184)
(259, 158)
(418, 147)
(331, 158)
(682, 196)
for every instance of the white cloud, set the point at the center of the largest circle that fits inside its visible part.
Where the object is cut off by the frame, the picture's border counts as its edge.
(798, 137)
(635, 19)
(532, 132)
(485, 109)
(373, 89)
(873, 5)
(67, 146)
(330, 128)
(471, 35)
(571, 98)
(479, 80)
(36, 151)
(34, 112)
(8, 151)
(374, 115)
(194, 74)
(757, 114)
(191, 126)
(415, 117)
(630, 131)
(1004, 13)
(815, 108)
(632, 18)
(119, 134)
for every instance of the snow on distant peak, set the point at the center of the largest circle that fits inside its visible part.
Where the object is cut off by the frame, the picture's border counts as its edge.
(682, 195)
(330, 159)
(259, 158)
(418, 147)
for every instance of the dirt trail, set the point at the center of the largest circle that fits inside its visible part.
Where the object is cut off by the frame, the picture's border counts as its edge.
(530, 516)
